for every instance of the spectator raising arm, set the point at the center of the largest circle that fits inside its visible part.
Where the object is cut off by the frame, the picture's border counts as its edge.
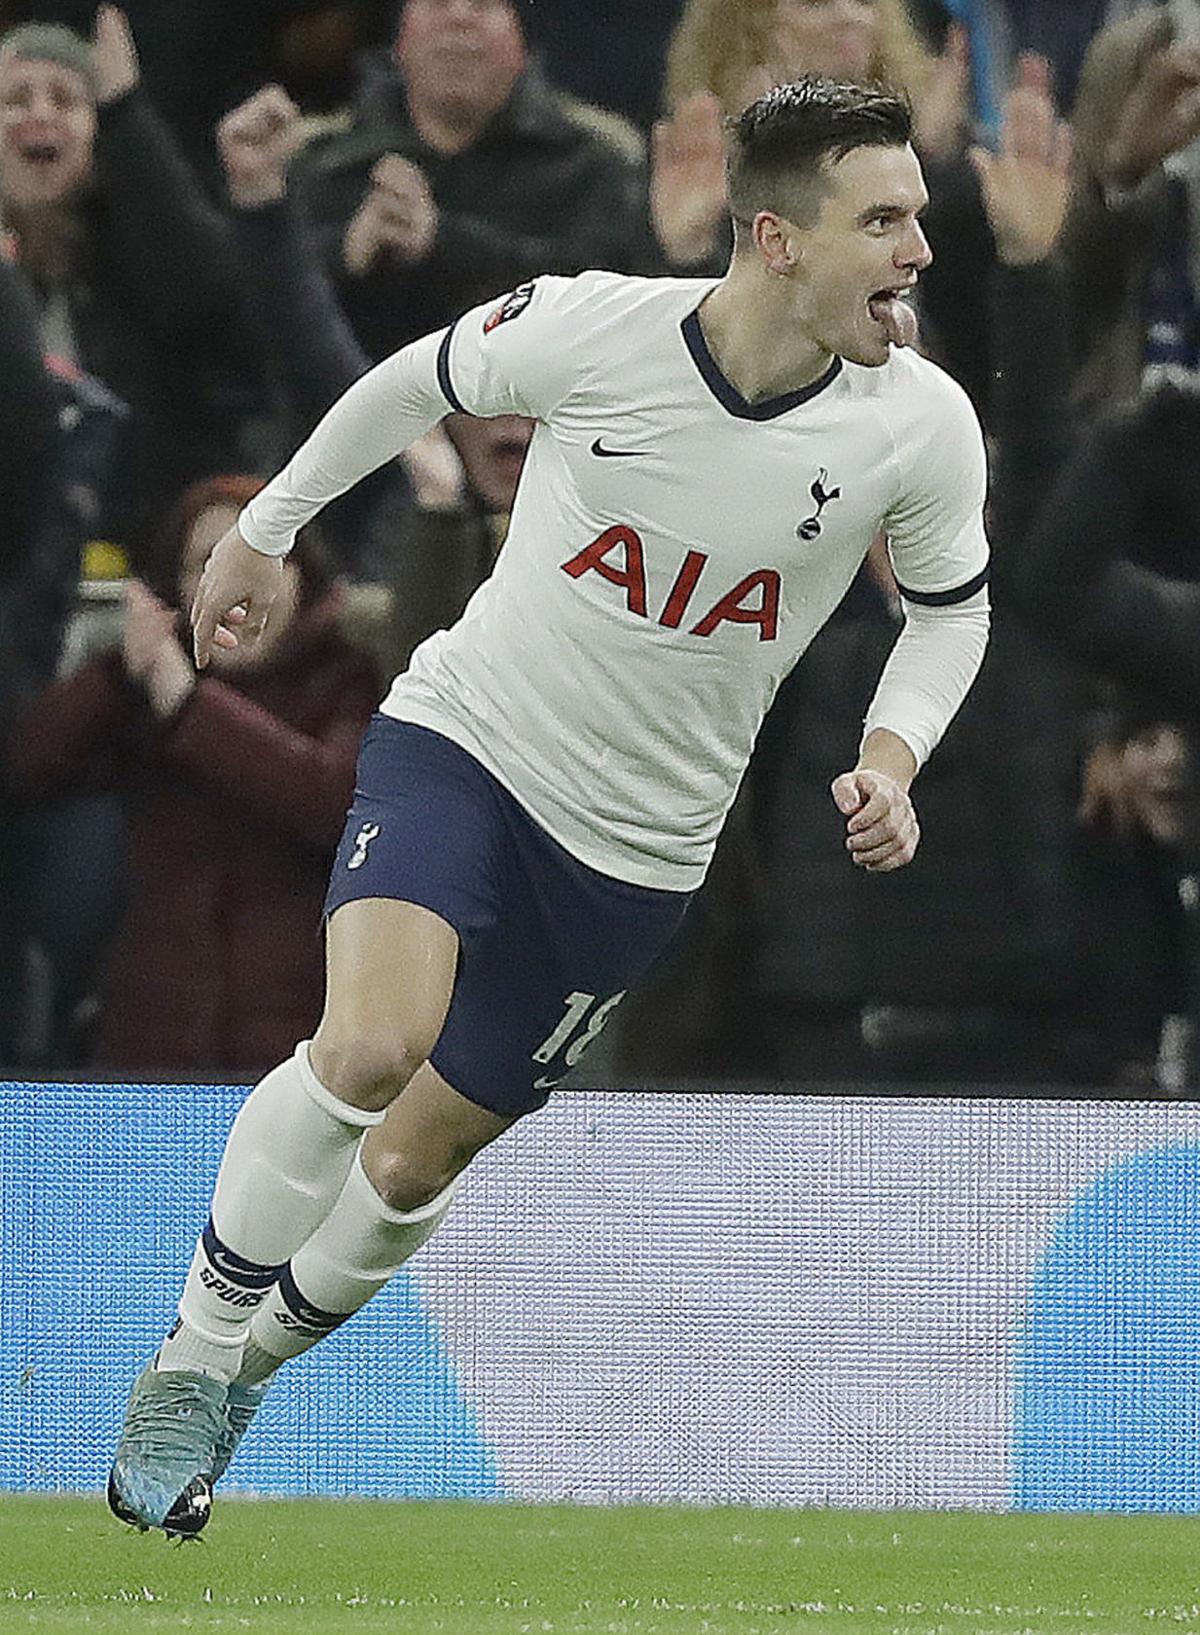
(688, 201)
(1138, 110)
(297, 319)
(1025, 187)
(173, 245)
(305, 338)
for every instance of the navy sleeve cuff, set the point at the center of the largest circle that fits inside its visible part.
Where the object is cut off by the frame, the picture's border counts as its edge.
(443, 372)
(945, 598)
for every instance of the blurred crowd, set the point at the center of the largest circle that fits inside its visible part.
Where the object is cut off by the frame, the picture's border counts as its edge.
(215, 214)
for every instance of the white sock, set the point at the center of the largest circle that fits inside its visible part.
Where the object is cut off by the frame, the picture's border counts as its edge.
(257, 1366)
(359, 1246)
(286, 1161)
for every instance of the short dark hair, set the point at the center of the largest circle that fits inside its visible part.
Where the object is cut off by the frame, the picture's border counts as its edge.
(782, 146)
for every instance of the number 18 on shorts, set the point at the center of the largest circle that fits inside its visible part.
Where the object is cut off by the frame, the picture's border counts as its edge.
(548, 946)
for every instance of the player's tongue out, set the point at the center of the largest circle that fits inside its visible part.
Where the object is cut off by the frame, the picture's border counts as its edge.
(896, 316)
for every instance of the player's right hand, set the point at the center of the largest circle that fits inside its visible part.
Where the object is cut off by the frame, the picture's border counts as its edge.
(234, 596)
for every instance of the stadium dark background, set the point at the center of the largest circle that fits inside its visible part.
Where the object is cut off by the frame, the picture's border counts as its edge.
(168, 318)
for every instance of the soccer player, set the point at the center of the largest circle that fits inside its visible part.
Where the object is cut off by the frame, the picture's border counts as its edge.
(544, 786)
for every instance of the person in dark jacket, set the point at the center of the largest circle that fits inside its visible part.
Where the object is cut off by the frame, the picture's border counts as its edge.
(465, 172)
(429, 525)
(131, 268)
(1111, 568)
(236, 783)
(1132, 243)
(202, 57)
(1110, 573)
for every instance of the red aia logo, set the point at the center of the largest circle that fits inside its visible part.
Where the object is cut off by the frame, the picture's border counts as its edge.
(760, 589)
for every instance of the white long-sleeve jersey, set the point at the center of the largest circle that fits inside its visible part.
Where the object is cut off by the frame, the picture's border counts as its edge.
(673, 550)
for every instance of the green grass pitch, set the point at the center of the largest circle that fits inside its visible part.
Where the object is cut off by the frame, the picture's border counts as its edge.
(324, 1568)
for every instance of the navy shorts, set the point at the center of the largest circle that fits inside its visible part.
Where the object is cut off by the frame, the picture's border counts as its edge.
(548, 946)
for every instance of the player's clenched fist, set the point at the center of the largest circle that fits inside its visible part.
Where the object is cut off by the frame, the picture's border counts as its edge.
(881, 829)
(233, 597)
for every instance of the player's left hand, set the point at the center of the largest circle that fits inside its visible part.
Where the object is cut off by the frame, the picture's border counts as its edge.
(881, 829)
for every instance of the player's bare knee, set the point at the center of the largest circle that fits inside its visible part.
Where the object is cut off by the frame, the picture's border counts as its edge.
(407, 1181)
(363, 1071)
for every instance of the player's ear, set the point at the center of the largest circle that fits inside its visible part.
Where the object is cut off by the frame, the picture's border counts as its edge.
(776, 242)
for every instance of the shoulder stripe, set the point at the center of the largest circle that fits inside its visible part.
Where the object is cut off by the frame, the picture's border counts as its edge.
(443, 372)
(944, 598)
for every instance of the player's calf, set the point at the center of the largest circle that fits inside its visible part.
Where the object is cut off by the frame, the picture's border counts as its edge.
(408, 1180)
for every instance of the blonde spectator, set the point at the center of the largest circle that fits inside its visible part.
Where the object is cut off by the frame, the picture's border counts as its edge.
(721, 46)
(726, 52)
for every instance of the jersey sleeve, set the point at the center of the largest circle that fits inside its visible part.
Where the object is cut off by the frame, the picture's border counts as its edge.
(935, 528)
(514, 355)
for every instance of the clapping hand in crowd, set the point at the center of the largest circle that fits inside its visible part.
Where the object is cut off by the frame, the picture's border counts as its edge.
(1138, 785)
(687, 183)
(435, 472)
(1104, 796)
(943, 110)
(114, 55)
(397, 216)
(256, 142)
(1161, 116)
(152, 652)
(1026, 185)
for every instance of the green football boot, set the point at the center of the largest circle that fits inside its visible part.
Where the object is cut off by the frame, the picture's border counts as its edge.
(241, 1404)
(162, 1475)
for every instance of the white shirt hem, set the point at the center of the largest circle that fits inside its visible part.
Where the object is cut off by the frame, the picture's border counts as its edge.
(584, 845)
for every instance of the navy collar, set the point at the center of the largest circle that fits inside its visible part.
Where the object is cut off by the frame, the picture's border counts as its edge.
(727, 394)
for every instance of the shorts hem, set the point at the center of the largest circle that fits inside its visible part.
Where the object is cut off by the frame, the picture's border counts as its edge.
(532, 1103)
(459, 921)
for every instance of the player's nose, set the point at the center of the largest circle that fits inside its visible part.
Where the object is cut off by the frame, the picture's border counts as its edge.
(915, 251)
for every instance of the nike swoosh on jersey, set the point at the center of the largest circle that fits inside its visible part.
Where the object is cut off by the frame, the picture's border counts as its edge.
(617, 453)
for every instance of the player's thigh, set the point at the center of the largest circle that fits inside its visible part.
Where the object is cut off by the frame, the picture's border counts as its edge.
(390, 968)
(429, 1134)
